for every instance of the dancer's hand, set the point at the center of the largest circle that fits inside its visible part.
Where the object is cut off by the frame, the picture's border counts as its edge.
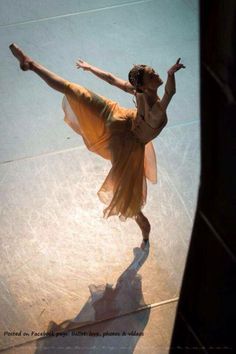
(176, 67)
(82, 64)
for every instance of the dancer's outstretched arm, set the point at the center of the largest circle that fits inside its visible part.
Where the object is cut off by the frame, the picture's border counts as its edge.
(106, 76)
(170, 88)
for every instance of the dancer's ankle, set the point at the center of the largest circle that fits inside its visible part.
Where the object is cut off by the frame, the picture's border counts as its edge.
(31, 64)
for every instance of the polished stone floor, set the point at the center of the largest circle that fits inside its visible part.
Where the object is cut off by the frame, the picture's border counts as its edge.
(64, 267)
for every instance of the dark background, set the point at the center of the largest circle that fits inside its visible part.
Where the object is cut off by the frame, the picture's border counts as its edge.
(205, 318)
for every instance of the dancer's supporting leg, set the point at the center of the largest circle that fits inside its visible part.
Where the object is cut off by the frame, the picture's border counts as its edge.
(144, 225)
(26, 63)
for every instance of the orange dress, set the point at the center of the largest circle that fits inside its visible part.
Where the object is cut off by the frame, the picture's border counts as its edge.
(111, 131)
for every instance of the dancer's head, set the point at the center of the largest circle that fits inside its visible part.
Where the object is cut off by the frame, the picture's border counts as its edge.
(143, 78)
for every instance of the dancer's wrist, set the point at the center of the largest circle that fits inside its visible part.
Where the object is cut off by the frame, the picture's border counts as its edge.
(170, 72)
(88, 68)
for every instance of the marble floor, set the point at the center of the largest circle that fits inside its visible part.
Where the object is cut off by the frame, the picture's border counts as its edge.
(63, 267)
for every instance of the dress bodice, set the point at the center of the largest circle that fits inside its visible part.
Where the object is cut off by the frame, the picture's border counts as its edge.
(150, 120)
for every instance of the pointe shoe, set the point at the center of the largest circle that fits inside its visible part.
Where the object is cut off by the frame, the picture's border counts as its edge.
(25, 62)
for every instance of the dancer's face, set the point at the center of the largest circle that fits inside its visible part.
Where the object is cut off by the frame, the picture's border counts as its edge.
(151, 79)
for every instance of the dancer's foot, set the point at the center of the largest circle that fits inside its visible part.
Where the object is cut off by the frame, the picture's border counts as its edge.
(144, 245)
(144, 225)
(25, 61)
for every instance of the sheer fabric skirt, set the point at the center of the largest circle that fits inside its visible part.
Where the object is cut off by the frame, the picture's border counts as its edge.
(106, 130)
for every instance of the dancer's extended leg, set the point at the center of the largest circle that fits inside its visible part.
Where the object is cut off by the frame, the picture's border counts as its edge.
(59, 84)
(26, 63)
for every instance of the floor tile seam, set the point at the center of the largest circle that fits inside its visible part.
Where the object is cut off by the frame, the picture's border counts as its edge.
(51, 153)
(194, 121)
(194, 334)
(82, 12)
(217, 235)
(79, 147)
(225, 88)
(146, 307)
(180, 198)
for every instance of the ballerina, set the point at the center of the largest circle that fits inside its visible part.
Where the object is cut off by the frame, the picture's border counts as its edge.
(122, 135)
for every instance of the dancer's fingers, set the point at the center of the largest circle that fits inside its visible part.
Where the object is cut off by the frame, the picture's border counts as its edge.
(180, 66)
(79, 61)
(178, 60)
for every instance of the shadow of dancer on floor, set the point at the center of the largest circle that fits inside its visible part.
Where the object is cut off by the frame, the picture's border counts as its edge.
(109, 321)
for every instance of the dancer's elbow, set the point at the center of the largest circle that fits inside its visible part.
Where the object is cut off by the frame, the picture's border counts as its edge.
(170, 92)
(110, 79)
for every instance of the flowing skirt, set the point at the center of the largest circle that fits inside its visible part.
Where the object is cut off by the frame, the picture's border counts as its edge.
(106, 130)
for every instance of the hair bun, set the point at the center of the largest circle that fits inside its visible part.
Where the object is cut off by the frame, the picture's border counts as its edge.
(136, 76)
